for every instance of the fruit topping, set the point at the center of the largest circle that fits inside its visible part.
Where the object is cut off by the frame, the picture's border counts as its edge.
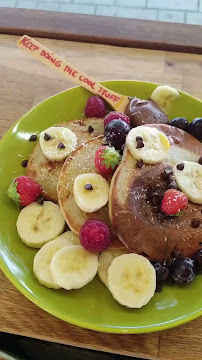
(173, 202)
(180, 123)
(189, 180)
(57, 143)
(95, 107)
(182, 270)
(107, 159)
(115, 115)
(37, 224)
(195, 128)
(152, 149)
(198, 259)
(165, 97)
(132, 280)
(95, 235)
(95, 196)
(33, 137)
(23, 190)
(116, 132)
(72, 267)
(161, 275)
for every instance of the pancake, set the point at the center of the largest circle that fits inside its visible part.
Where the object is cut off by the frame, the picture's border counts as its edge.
(47, 172)
(133, 217)
(81, 161)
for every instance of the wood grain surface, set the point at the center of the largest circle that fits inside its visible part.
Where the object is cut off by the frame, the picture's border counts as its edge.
(25, 82)
(102, 30)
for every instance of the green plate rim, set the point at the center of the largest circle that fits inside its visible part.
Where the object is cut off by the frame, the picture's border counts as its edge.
(101, 328)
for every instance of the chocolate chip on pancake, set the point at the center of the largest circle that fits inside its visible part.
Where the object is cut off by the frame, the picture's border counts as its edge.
(139, 164)
(139, 224)
(90, 129)
(195, 223)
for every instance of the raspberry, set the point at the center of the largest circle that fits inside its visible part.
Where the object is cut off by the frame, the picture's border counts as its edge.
(115, 115)
(95, 107)
(106, 159)
(95, 235)
(173, 202)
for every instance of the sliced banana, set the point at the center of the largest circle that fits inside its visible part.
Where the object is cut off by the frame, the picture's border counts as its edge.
(155, 144)
(37, 224)
(132, 280)
(43, 258)
(57, 143)
(71, 237)
(91, 192)
(189, 180)
(165, 97)
(105, 259)
(73, 267)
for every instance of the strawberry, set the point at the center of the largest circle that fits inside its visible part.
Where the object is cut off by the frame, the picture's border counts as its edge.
(106, 159)
(23, 190)
(173, 202)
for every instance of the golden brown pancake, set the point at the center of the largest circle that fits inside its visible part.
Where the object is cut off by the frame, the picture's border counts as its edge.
(81, 161)
(47, 172)
(134, 218)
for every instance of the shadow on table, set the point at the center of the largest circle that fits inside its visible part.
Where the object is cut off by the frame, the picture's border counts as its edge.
(22, 348)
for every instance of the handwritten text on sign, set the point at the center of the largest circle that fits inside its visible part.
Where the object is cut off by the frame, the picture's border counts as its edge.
(49, 56)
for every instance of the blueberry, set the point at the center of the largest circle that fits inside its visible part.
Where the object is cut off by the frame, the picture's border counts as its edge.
(182, 270)
(116, 132)
(161, 272)
(180, 122)
(195, 128)
(198, 259)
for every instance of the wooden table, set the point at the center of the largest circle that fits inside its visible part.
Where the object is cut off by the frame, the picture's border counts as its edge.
(18, 73)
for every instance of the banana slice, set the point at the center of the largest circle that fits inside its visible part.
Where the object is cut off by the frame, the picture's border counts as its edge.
(71, 237)
(189, 180)
(91, 192)
(57, 143)
(165, 97)
(37, 224)
(153, 146)
(43, 258)
(105, 260)
(73, 267)
(132, 280)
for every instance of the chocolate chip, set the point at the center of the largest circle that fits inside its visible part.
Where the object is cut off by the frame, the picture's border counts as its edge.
(90, 129)
(195, 224)
(200, 160)
(24, 163)
(172, 185)
(156, 200)
(166, 173)
(200, 243)
(180, 166)
(139, 138)
(47, 137)
(140, 144)
(61, 145)
(40, 200)
(33, 137)
(139, 164)
(160, 217)
(88, 187)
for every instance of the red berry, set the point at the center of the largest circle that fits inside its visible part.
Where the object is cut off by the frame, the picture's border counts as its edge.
(95, 107)
(23, 190)
(95, 235)
(115, 115)
(106, 159)
(173, 202)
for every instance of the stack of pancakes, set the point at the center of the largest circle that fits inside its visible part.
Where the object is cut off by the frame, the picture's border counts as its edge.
(129, 214)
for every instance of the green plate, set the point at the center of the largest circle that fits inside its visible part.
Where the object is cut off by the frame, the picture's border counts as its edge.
(91, 307)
